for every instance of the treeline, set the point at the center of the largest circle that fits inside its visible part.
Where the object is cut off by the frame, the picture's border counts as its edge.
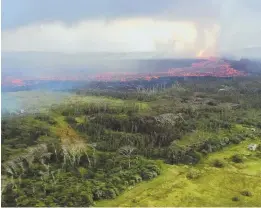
(92, 108)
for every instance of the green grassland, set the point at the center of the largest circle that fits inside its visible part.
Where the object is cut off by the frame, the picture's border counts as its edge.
(214, 187)
(41, 101)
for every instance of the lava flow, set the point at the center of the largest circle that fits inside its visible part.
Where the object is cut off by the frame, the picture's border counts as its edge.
(210, 67)
(12, 81)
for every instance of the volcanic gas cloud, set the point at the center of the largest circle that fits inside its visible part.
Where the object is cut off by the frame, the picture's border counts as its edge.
(209, 67)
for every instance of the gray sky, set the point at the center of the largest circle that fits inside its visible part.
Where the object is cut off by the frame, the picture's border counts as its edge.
(180, 28)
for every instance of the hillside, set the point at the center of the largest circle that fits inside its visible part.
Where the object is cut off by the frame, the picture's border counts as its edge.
(185, 144)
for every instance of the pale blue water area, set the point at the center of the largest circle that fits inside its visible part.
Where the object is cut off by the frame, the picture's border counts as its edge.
(30, 101)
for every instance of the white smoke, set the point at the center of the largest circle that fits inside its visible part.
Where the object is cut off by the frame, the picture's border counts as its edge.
(127, 35)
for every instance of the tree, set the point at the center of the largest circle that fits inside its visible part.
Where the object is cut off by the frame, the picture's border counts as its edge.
(127, 151)
(93, 146)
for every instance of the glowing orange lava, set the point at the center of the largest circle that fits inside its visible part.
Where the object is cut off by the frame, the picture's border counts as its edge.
(210, 67)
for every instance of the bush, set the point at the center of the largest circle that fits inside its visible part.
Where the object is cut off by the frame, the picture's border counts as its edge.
(235, 140)
(154, 168)
(110, 193)
(246, 193)
(241, 137)
(87, 198)
(136, 178)
(46, 118)
(98, 194)
(193, 174)
(147, 174)
(116, 180)
(197, 157)
(211, 103)
(226, 140)
(218, 163)
(132, 182)
(116, 190)
(20, 146)
(71, 120)
(121, 187)
(237, 158)
(226, 125)
(235, 198)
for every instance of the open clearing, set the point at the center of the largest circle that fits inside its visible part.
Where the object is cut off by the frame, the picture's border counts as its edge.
(214, 187)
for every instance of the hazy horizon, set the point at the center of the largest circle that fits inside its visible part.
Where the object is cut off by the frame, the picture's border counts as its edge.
(71, 34)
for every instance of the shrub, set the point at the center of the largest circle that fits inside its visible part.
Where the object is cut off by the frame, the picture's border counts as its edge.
(226, 125)
(226, 140)
(46, 118)
(136, 178)
(110, 193)
(116, 180)
(153, 168)
(97, 194)
(241, 137)
(134, 200)
(147, 174)
(87, 198)
(132, 182)
(205, 152)
(71, 120)
(20, 146)
(235, 140)
(211, 103)
(218, 163)
(197, 156)
(235, 198)
(121, 187)
(246, 193)
(116, 190)
(237, 158)
(193, 174)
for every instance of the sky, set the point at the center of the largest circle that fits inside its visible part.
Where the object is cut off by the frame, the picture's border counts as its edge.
(179, 28)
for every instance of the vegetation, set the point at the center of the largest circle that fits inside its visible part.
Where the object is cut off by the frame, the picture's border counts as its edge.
(173, 188)
(218, 163)
(237, 158)
(165, 142)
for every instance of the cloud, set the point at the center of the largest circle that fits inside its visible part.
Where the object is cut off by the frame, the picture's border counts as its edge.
(183, 27)
(18, 13)
(167, 26)
(124, 35)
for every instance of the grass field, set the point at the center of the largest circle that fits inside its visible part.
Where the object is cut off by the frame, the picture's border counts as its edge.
(35, 101)
(110, 101)
(214, 187)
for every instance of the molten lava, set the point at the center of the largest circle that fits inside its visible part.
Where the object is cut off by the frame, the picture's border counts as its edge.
(210, 67)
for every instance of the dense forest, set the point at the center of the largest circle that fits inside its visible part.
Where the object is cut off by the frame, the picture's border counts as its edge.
(107, 141)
